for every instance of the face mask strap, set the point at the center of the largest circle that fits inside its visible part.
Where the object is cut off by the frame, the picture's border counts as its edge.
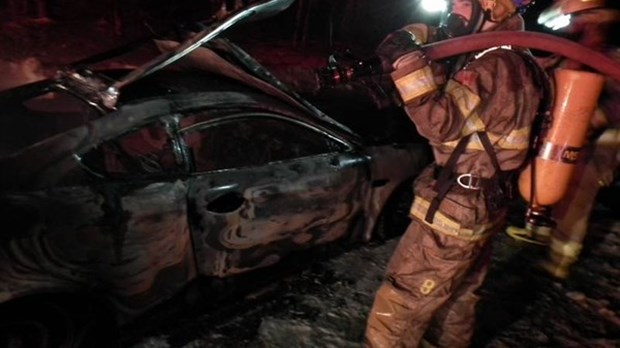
(478, 16)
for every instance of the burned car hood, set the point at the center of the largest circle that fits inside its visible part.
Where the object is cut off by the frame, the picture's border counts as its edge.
(221, 60)
(247, 71)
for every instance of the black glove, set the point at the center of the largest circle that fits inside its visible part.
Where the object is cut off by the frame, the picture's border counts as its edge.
(342, 69)
(395, 45)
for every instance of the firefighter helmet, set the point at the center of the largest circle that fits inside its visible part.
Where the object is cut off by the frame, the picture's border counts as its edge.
(495, 11)
(499, 10)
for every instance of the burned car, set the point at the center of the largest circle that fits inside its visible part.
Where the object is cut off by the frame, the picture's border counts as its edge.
(211, 171)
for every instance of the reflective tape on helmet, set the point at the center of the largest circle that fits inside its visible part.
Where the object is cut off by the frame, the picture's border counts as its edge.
(498, 10)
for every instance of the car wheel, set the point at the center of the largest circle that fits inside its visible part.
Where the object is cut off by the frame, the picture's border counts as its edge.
(394, 217)
(51, 324)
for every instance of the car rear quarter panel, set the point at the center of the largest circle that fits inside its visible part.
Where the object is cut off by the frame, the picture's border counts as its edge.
(131, 246)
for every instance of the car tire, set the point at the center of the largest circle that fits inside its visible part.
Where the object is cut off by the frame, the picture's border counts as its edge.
(52, 323)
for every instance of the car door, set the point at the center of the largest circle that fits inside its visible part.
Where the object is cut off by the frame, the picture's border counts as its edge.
(265, 185)
(142, 198)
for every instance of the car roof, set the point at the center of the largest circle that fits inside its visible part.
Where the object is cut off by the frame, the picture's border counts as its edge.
(43, 163)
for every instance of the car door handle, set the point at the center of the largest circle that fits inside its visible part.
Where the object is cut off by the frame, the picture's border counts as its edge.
(226, 203)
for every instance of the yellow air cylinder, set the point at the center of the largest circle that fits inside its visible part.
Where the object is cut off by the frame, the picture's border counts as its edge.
(576, 97)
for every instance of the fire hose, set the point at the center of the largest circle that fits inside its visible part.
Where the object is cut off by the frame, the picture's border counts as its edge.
(533, 40)
(336, 74)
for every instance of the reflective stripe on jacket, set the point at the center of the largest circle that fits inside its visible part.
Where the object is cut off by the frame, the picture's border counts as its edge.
(495, 92)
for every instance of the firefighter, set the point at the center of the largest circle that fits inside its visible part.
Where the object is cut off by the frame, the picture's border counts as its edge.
(590, 23)
(476, 111)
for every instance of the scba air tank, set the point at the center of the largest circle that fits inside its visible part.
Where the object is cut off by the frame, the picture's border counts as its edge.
(551, 170)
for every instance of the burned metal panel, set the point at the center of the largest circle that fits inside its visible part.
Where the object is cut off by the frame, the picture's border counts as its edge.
(391, 166)
(248, 218)
(46, 163)
(131, 244)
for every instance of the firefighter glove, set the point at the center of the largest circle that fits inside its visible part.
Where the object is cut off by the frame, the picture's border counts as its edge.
(394, 46)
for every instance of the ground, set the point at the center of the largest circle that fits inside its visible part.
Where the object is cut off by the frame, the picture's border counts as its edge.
(326, 302)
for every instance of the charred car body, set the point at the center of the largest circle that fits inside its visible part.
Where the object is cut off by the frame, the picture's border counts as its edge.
(213, 171)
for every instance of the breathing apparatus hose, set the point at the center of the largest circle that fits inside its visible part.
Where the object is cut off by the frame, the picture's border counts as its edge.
(533, 40)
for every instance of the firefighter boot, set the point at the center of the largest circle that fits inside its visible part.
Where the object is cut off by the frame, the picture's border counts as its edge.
(561, 256)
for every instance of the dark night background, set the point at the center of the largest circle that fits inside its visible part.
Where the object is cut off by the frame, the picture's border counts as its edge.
(62, 31)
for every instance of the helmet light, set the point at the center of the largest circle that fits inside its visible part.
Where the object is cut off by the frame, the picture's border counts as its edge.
(434, 6)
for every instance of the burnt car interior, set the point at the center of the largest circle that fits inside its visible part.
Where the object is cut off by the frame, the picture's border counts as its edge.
(234, 142)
